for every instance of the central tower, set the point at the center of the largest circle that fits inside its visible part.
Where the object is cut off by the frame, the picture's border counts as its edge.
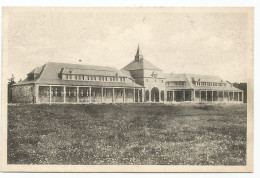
(138, 55)
(148, 75)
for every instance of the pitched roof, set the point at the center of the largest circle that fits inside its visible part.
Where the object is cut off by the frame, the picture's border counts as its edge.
(178, 78)
(49, 75)
(191, 78)
(204, 78)
(141, 64)
(96, 72)
(36, 70)
(127, 73)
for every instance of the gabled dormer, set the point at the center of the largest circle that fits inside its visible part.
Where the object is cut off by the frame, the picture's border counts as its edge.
(34, 73)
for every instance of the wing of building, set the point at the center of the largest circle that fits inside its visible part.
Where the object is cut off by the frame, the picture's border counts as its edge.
(139, 81)
(62, 82)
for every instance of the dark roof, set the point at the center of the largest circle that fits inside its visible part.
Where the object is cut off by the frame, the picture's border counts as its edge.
(141, 64)
(49, 75)
(190, 78)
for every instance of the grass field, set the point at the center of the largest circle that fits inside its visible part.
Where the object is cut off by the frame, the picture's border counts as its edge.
(127, 134)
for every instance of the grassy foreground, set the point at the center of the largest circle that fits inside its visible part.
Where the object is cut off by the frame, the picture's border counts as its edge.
(127, 134)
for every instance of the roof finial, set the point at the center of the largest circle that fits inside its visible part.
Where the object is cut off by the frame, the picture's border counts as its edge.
(138, 55)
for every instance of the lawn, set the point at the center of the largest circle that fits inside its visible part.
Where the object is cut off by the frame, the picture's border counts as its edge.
(126, 134)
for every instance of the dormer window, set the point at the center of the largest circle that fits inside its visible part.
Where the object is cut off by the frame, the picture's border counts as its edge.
(30, 76)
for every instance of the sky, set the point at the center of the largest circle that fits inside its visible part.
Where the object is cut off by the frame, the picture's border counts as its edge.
(179, 40)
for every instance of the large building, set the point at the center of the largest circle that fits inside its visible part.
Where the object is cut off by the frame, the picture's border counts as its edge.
(139, 81)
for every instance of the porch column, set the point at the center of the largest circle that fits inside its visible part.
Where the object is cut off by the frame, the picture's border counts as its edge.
(123, 94)
(217, 95)
(134, 95)
(183, 95)
(238, 96)
(165, 96)
(90, 94)
(143, 93)
(200, 95)
(206, 95)
(242, 96)
(233, 97)
(228, 96)
(160, 97)
(113, 93)
(77, 94)
(36, 93)
(150, 95)
(105, 93)
(102, 94)
(173, 95)
(64, 94)
(194, 95)
(138, 95)
(50, 93)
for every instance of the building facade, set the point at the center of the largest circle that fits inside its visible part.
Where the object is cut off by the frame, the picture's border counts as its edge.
(139, 81)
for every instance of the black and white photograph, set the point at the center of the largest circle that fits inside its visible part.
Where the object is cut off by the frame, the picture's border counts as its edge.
(127, 89)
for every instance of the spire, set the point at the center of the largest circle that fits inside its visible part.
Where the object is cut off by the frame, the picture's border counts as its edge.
(138, 55)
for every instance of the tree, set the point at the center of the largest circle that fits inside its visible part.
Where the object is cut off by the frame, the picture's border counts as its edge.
(242, 86)
(11, 81)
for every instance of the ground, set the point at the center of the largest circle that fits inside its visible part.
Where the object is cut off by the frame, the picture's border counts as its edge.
(187, 134)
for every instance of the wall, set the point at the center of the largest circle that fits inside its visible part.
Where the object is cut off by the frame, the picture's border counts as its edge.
(23, 94)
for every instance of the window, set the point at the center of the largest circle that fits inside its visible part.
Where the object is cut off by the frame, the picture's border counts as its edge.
(162, 81)
(67, 77)
(56, 91)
